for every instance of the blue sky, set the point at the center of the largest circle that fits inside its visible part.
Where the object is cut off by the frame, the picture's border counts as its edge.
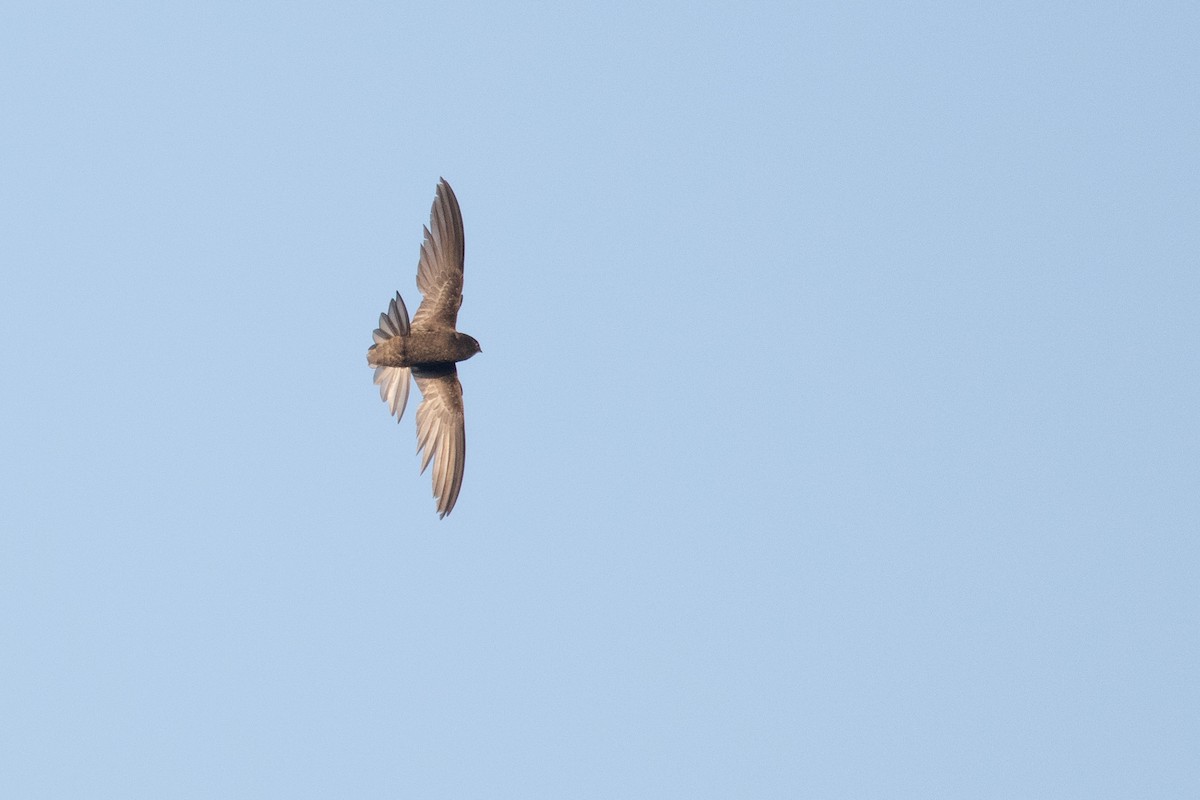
(835, 432)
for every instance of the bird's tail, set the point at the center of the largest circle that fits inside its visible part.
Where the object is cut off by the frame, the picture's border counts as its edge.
(393, 382)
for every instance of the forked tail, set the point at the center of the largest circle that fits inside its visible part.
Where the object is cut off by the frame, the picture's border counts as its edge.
(393, 382)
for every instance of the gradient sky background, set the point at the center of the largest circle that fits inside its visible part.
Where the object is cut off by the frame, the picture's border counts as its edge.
(836, 432)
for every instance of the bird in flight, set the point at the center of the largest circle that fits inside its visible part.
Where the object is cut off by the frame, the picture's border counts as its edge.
(428, 348)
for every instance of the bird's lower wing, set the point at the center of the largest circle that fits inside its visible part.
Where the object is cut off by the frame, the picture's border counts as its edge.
(441, 435)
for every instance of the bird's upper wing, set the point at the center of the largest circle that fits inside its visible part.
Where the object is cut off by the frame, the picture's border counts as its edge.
(440, 270)
(440, 432)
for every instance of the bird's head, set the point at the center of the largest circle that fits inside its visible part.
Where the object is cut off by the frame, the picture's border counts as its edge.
(469, 345)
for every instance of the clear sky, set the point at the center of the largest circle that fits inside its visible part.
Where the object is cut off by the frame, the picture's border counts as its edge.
(836, 432)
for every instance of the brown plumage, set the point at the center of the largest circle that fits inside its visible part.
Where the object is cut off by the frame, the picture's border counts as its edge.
(428, 348)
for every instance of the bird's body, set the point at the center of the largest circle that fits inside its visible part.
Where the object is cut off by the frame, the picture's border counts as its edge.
(427, 348)
(424, 349)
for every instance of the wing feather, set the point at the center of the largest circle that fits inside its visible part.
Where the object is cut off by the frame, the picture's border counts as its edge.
(441, 434)
(440, 269)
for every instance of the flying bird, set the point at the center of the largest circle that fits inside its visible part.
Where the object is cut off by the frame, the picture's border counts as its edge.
(428, 348)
